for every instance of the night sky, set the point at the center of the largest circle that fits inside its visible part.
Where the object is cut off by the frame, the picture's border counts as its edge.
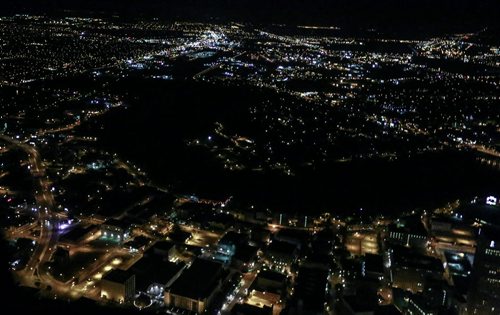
(432, 15)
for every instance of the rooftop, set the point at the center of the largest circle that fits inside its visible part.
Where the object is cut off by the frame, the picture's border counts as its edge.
(374, 263)
(247, 309)
(387, 310)
(138, 242)
(77, 233)
(272, 275)
(163, 245)
(282, 247)
(406, 258)
(410, 224)
(310, 287)
(199, 280)
(153, 269)
(119, 276)
(233, 238)
(117, 223)
(245, 253)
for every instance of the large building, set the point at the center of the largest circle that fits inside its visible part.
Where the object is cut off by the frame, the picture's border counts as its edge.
(411, 271)
(452, 234)
(118, 286)
(484, 293)
(247, 309)
(196, 287)
(154, 274)
(372, 267)
(434, 300)
(115, 230)
(419, 305)
(268, 288)
(361, 243)
(409, 232)
(281, 254)
(310, 291)
(228, 245)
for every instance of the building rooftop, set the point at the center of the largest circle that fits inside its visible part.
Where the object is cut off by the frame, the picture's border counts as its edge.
(298, 237)
(269, 281)
(153, 269)
(138, 242)
(387, 310)
(247, 309)
(424, 303)
(119, 276)
(117, 223)
(233, 238)
(272, 275)
(282, 247)
(485, 214)
(407, 258)
(179, 236)
(310, 287)
(410, 224)
(77, 233)
(199, 280)
(245, 253)
(357, 304)
(374, 263)
(163, 245)
(490, 233)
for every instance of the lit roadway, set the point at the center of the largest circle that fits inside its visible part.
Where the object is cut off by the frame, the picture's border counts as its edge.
(45, 202)
(485, 150)
(47, 240)
(35, 272)
(240, 294)
(216, 66)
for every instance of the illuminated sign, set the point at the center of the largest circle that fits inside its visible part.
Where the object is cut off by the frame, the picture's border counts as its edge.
(492, 201)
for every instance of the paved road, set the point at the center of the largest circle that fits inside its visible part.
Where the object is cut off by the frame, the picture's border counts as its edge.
(46, 218)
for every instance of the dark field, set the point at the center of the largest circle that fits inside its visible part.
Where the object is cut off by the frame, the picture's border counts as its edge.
(161, 117)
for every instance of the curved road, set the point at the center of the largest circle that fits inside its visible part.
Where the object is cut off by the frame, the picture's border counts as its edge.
(46, 218)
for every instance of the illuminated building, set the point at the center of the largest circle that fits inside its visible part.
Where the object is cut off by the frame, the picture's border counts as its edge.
(115, 230)
(418, 305)
(196, 287)
(281, 254)
(139, 243)
(229, 242)
(411, 271)
(154, 282)
(311, 291)
(449, 233)
(118, 286)
(77, 234)
(163, 248)
(484, 293)
(409, 232)
(372, 267)
(360, 243)
(491, 200)
(268, 288)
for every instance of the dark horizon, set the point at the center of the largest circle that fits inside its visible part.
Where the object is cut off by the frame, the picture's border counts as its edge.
(390, 15)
